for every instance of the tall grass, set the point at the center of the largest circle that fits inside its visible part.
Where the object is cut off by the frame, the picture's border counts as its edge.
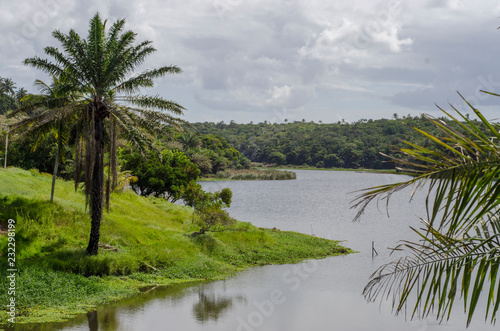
(251, 174)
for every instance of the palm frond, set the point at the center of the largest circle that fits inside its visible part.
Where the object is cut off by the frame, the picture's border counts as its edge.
(154, 102)
(126, 123)
(44, 65)
(437, 268)
(146, 79)
(459, 243)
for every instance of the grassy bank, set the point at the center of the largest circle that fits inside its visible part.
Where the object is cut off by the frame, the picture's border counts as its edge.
(252, 174)
(148, 242)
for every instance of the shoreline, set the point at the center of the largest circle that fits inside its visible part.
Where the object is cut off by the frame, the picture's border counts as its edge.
(130, 286)
(153, 247)
(214, 178)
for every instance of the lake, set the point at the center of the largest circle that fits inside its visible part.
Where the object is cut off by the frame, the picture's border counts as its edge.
(314, 295)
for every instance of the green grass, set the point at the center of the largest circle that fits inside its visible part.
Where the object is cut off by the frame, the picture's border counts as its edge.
(56, 280)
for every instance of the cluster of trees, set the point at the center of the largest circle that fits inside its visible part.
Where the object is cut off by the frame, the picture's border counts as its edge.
(10, 97)
(336, 145)
(211, 153)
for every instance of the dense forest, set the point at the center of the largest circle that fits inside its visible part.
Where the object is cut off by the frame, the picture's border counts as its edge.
(335, 145)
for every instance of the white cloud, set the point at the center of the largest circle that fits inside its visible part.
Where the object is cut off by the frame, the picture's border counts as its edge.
(280, 95)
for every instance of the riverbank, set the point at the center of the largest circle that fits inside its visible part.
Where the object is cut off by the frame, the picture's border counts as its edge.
(145, 242)
(380, 171)
(251, 174)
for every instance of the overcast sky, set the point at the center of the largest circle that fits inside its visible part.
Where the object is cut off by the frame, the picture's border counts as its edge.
(271, 60)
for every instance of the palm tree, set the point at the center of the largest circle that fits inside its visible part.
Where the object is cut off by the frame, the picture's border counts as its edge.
(7, 86)
(21, 93)
(189, 140)
(55, 108)
(459, 250)
(101, 66)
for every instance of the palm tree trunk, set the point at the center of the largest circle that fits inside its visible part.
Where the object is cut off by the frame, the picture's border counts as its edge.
(96, 194)
(6, 147)
(56, 164)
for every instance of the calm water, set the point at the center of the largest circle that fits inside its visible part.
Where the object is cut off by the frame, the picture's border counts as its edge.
(315, 295)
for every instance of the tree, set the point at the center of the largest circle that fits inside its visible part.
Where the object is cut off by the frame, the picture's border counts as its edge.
(21, 93)
(459, 250)
(189, 140)
(7, 86)
(209, 214)
(102, 67)
(55, 108)
(166, 176)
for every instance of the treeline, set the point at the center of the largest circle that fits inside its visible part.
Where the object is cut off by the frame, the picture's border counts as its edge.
(336, 145)
(10, 96)
(209, 153)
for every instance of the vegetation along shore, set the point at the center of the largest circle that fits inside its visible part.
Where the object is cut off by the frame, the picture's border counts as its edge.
(144, 241)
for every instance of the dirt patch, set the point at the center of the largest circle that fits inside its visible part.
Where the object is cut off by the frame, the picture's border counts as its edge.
(3, 228)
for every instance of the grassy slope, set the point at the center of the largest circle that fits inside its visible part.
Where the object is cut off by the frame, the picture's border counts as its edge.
(56, 279)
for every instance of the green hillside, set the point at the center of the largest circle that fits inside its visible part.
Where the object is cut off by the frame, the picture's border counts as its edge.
(144, 241)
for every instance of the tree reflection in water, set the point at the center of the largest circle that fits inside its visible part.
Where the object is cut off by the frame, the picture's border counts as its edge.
(93, 322)
(209, 307)
(212, 306)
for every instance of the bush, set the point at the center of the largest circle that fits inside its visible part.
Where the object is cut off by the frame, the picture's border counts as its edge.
(211, 218)
(208, 208)
(165, 177)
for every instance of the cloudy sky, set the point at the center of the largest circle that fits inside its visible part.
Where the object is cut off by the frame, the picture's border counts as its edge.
(271, 60)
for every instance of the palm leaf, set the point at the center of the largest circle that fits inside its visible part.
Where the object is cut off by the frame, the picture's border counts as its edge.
(460, 240)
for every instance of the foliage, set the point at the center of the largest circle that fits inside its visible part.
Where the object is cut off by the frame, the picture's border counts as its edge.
(210, 217)
(164, 176)
(211, 153)
(459, 250)
(336, 145)
(208, 208)
(22, 154)
(10, 99)
(7, 103)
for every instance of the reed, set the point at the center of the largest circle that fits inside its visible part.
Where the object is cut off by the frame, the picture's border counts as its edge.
(253, 174)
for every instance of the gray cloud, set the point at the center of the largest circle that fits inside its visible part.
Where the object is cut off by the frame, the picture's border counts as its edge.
(251, 60)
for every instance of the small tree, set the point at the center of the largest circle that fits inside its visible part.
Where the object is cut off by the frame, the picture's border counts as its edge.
(209, 214)
(54, 110)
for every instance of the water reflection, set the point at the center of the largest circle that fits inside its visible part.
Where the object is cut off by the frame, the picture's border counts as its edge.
(93, 321)
(210, 306)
